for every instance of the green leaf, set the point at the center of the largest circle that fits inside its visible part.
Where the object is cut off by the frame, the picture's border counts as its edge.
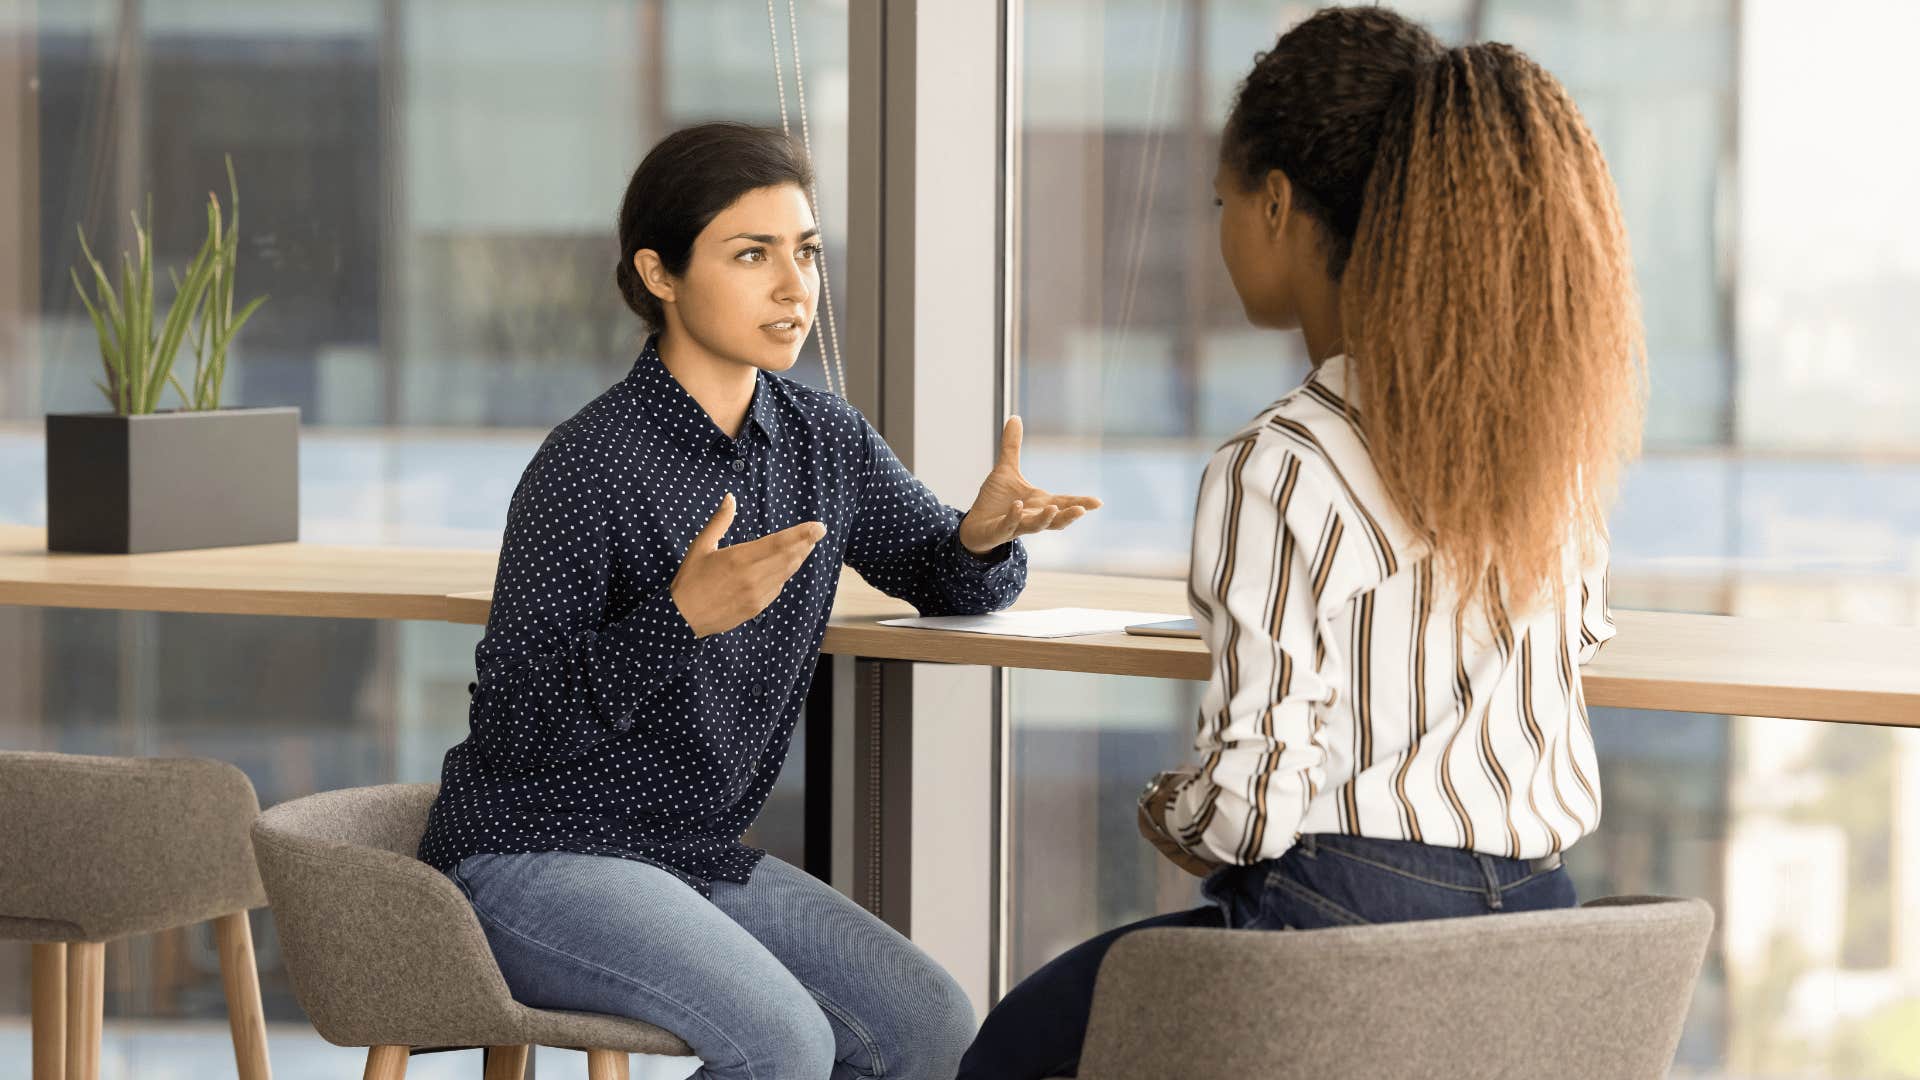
(202, 324)
(185, 301)
(135, 336)
(240, 320)
(107, 294)
(225, 324)
(109, 352)
(99, 324)
(144, 288)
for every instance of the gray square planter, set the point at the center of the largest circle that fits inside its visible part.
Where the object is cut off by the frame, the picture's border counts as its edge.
(172, 480)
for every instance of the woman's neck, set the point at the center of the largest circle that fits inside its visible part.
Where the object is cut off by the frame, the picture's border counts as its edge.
(1320, 321)
(723, 388)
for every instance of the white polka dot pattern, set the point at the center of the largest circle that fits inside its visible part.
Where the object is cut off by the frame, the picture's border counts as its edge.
(599, 723)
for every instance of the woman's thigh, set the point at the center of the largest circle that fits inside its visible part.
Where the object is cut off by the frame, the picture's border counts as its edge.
(608, 935)
(895, 1012)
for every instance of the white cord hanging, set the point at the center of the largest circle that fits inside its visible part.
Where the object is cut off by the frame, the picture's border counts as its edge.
(836, 373)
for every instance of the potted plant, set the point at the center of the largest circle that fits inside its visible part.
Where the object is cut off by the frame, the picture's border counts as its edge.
(139, 478)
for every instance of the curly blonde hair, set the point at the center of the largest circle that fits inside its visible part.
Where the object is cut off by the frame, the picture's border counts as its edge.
(1490, 306)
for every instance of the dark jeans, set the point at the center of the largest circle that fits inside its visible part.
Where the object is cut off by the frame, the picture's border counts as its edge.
(1323, 881)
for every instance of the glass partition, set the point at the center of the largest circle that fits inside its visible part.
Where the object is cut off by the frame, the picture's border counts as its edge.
(429, 191)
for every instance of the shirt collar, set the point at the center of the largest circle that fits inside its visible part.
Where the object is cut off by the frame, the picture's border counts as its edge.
(671, 402)
(1332, 374)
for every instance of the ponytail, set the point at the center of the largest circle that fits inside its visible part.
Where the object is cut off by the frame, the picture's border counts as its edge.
(1488, 303)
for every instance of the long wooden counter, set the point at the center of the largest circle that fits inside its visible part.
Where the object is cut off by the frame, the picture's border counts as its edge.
(1686, 663)
(267, 579)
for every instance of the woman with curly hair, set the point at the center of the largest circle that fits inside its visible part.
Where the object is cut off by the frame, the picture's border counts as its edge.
(1400, 566)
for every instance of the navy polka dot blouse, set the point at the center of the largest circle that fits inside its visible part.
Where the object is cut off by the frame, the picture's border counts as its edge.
(599, 723)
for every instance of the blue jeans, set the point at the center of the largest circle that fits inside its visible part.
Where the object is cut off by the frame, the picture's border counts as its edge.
(778, 979)
(1322, 881)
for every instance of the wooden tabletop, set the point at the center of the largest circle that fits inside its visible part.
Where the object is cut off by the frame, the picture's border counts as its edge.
(1685, 663)
(266, 579)
(1659, 660)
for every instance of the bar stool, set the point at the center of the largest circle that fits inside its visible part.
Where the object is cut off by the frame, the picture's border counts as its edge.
(385, 952)
(1591, 993)
(100, 848)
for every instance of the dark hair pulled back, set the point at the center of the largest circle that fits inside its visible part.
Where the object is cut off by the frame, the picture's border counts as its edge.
(1314, 107)
(684, 182)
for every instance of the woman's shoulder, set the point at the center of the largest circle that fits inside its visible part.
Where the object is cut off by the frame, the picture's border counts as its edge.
(1309, 423)
(587, 444)
(821, 412)
(1312, 440)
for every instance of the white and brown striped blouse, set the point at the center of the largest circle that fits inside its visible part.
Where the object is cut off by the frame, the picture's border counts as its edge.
(1349, 692)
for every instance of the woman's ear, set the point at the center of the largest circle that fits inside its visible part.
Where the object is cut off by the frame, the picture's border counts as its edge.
(1276, 202)
(653, 274)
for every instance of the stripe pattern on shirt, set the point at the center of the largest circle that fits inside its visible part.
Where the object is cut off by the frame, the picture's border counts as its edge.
(1350, 692)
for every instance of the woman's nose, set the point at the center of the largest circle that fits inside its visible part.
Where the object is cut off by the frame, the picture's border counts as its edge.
(793, 285)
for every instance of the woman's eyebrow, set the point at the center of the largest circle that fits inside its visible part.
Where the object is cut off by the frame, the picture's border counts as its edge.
(768, 238)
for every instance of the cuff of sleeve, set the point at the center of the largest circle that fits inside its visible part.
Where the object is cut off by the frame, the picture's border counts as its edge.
(1001, 560)
(991, 559)
(1188, 793)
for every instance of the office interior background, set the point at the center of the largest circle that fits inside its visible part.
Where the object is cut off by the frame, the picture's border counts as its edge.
(428, 191)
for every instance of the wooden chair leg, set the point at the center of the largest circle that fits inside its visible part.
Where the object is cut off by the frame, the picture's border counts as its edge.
(506, 1062)
(386, 1063)
(86, 1001)
(606, 1065)
(241, 980)
(50, 1012)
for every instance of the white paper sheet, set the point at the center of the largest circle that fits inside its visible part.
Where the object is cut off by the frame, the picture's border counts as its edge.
(1045, 623)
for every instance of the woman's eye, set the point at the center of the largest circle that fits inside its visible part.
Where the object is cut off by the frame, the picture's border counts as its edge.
(812, 251)
(751, 255)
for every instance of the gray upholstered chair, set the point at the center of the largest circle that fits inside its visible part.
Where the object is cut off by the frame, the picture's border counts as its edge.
(1582, 994)
(98, 848)
(385, 952)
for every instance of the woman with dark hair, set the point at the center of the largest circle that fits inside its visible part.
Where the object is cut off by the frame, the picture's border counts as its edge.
(665, 580)
(1400, 566)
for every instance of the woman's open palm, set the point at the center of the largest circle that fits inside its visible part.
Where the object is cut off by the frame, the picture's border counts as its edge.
(1009, 505)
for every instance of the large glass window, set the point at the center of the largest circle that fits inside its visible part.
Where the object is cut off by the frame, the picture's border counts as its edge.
(428, 195)
(1781, 476)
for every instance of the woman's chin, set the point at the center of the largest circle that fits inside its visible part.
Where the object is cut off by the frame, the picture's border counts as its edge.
(776, 359)
(782, 360)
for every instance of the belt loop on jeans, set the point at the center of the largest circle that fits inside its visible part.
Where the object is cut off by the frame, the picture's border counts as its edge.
(1485, 862)
(1308, 844)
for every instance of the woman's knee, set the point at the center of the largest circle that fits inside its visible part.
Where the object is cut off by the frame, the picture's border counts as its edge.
(791, 1043)
(953, 1030)
(800, 1045)
(935, 1034)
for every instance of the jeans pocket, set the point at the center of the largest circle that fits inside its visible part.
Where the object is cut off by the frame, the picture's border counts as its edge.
(1291, 905)
(1413, 865)
(460, 883)
(1544, 891)
(459, 876)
